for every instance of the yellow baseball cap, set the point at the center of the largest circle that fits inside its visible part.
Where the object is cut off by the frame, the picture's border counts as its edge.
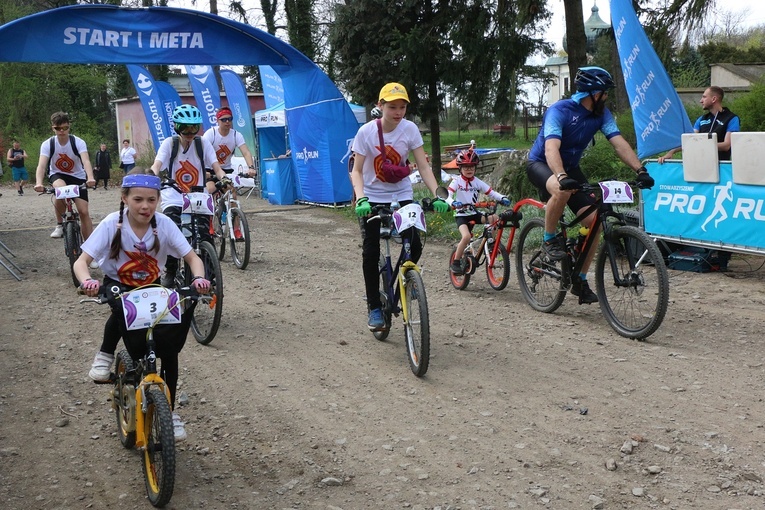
(393, 91)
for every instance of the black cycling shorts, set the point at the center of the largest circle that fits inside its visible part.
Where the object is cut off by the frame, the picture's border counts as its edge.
(538, 173)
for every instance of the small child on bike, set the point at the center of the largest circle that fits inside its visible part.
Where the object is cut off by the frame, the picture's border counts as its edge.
(464, 190)
(131, 247)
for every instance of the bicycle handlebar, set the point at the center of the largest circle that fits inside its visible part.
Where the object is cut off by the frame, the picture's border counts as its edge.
(50, 190)
(110, 294)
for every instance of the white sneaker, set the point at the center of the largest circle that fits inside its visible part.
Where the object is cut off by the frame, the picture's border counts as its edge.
(179, 431)
(58, 232)
(102, 366)
(94, 264)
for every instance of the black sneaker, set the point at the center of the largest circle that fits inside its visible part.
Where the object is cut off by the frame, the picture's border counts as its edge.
(582, 289)
(554, 248)
(456, 267)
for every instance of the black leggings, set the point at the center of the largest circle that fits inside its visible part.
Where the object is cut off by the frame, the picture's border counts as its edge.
(370, 255)
(170, 339)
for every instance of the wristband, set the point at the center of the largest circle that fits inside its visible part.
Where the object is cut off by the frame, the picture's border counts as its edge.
(197, 278)
(641, 170)
(361, 200)
(251, 166)
(561, 175)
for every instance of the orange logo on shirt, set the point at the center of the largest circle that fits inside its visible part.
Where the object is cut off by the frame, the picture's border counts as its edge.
(187, 176)
(141, 269)
(223, 153)
(64, 164)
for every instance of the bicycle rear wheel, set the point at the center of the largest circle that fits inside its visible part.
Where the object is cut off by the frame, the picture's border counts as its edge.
(498, 268)
(240, 250)
(632, 282)
(539, 278)
(207, 314)
(123, 399)
(159, 454)
(72, 242)
(417, 326)
(221, 231)
(386, 304)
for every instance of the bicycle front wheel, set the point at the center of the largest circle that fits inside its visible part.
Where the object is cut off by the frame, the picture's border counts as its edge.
(632, 282)
(459, 281)
(207, 313)
(159, 454)
(123, 399)
(240, 248)
(497, 268)
(221, 232)
(539, 278)
(72, 242)
(417, 327)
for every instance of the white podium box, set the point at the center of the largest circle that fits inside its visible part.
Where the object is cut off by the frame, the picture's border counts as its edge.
(700, 163)
(748, 158)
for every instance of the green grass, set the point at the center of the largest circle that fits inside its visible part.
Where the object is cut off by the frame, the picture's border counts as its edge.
(483, 140)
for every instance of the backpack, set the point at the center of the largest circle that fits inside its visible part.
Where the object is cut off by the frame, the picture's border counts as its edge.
(176, 145)
(72, 144)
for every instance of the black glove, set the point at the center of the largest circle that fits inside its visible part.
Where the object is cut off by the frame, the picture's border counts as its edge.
(644, 180)
(567, 183)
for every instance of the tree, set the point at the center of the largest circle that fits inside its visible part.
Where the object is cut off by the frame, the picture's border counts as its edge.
(478, 62)
(300, 26)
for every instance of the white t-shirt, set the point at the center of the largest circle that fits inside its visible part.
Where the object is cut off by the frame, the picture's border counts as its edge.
(187, 170)
(135, 266)
(398, 143)
(63, 160)
(467, 192)
(224, 146)
(127, 155)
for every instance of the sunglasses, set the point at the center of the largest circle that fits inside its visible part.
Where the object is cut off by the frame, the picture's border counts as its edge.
(61, 128)
(226, 119)
(187, 129)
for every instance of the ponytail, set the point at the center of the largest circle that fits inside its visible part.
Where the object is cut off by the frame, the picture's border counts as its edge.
(116, 246)
(153, 223)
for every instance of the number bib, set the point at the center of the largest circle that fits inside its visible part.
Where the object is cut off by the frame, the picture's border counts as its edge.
(70, 191)
(141, 307)
(616, 192)
(409, 216)
(198, 203)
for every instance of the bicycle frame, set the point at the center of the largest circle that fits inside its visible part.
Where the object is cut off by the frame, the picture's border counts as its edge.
(395, 295)
(500, 230)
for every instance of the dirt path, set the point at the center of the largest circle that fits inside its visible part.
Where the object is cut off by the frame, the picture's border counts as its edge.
(295, 405)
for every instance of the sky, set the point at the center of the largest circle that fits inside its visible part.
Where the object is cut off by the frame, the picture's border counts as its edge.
(557, 28)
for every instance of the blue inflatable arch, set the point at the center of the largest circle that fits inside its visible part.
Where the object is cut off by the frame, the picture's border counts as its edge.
(322, 124)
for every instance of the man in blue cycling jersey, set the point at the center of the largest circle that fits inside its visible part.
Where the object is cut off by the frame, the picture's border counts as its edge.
(568, 127)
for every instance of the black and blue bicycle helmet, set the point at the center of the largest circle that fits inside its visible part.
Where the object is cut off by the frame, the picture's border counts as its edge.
(593, 79)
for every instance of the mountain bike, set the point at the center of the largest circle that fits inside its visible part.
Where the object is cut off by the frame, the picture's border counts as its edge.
(207, 315)
(402, 290)
(631, 279)
(485, 248)
(228, 221)
(71, 223)
(140, 397)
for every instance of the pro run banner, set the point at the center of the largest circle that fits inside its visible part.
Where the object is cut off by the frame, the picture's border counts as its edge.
(657, 112)
(273, 88)
(153, 108)
(206, 92)
(236, 94)
(170, 100)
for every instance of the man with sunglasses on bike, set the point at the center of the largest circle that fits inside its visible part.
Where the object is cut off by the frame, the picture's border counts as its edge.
(568, 127)
(186, 168)
(67, 164)
(225, 140)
